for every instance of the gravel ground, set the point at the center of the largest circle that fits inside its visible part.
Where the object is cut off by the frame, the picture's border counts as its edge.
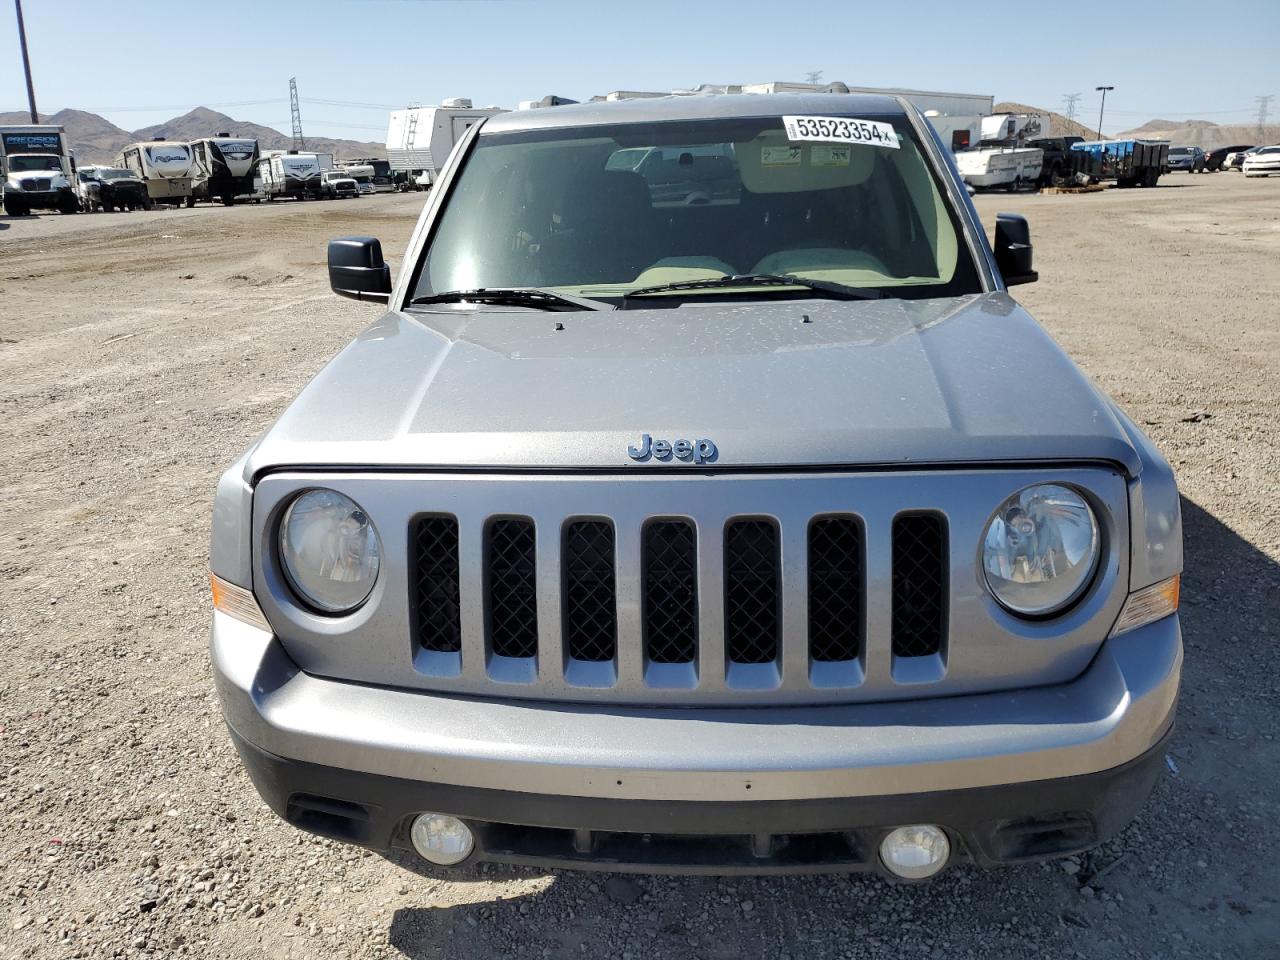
(139, 353)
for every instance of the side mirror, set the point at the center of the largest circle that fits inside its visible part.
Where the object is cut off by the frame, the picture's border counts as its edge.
(357, 270)
(1013, 249)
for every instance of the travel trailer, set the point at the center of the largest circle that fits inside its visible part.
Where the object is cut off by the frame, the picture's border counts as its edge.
(1003, 158)
(288, 173)
(420, 139)
(382, 179)
(164, 166)
(223, 167)
(362, 174)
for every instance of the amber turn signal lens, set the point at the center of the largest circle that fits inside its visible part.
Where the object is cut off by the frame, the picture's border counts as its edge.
(1149, 605)
(237, 602)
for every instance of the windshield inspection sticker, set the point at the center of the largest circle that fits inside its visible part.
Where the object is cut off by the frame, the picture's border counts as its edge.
(829, 156)
(779, 156)
(841, 130)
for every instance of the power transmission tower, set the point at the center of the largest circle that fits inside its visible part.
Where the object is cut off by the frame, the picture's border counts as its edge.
(1071, 99)
(1264, 106)
(813, 76)
(298, 142)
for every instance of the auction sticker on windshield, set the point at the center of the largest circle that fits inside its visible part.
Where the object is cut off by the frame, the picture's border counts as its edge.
(841, 130)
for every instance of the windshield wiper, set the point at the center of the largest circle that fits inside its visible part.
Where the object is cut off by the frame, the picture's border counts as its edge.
(836, 291)
(513, 297)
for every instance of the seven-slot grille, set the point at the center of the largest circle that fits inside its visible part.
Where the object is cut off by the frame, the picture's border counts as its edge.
(752, 578)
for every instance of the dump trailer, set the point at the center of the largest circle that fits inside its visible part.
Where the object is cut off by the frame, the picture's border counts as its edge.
(37, 170)
(1130, 163)
(420, 139)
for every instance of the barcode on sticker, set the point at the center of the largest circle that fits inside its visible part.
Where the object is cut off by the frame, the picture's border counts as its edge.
(841, 130)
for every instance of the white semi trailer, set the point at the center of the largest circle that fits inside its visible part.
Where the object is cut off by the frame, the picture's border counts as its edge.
(37, 170)
(420, 139)
(164, 166)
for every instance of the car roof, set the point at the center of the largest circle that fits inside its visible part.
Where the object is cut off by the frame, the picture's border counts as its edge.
(693, 107)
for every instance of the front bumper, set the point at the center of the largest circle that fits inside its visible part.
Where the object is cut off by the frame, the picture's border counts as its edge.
(1059, 767)
(44, 199)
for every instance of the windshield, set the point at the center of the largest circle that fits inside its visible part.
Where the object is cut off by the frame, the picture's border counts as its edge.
(600, 211)
(114, 173)
(1179, 151)
(20, 163)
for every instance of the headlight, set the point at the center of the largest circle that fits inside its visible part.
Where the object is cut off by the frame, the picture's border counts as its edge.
(330, 550)
(1040, 550)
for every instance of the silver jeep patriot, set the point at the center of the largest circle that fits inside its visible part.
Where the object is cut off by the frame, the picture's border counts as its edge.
(702, 502)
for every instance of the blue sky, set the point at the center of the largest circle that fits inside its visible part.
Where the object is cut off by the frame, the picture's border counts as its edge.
(139, 62)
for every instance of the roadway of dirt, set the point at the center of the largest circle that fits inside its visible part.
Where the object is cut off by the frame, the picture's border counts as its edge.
(139, 353)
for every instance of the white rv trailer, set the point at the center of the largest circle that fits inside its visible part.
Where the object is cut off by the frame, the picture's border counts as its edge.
(223, 167)
(362, 174)
(420, 139)
(289, 173)
(1002, 159)
(164, 166)
(1008, 167)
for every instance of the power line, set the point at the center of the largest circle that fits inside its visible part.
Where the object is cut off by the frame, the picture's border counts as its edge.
(354, 105)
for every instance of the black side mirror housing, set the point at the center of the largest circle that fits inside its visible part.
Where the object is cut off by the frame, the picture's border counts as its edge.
(357, 270)
(1013, 249)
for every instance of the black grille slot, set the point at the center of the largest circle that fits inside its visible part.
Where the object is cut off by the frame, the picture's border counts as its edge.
(835, 589)
(512, 596)
(670, 591)
(435, 578)
(752, 591)
(590, 592)
(919, 584)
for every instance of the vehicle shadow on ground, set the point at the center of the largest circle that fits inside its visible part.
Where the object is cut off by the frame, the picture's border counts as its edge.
(1128, 895)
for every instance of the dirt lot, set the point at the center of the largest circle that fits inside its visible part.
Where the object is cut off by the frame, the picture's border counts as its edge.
(139, 353)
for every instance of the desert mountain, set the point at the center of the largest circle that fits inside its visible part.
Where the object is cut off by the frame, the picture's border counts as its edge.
(1203, 133)
(97, 140)
(202, 122)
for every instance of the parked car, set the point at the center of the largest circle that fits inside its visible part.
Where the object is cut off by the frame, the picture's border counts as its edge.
(1235, 159)
(1216, 159)
(781, 571)
(110, 188)
(1190, 159)
(1262, 162)
(335, 185)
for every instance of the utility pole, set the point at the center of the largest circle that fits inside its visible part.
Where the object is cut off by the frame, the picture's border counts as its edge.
(1264, 105)
(1071, 99)
(26, 63)
(1102, 108)
(298, 142)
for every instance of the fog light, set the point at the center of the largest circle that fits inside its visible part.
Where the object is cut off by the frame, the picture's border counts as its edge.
(441, 839)
(915, 852)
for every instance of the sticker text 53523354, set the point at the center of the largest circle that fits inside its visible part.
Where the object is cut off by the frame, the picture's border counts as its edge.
(841, 130)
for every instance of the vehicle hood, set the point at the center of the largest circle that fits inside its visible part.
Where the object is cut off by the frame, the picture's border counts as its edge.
(23, 179)
(782, 384)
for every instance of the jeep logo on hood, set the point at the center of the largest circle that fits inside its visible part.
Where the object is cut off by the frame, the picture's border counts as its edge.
(688, 451)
